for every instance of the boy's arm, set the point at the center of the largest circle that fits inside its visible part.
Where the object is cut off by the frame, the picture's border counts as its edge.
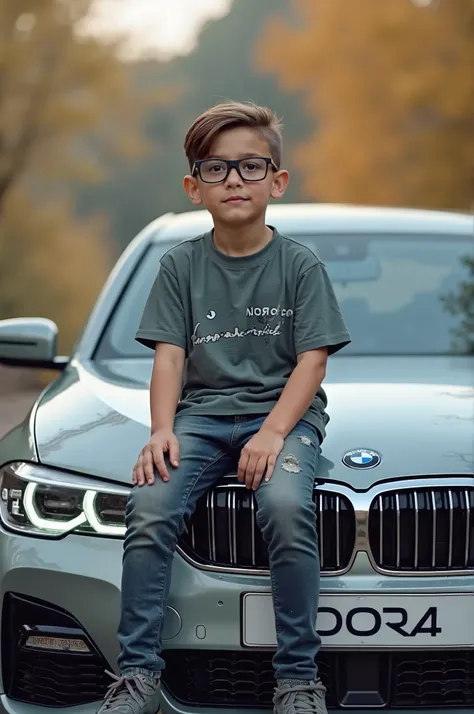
(162, 328)
(319, 331)
(261, 452)
(165, 390)
(299, 392)
(165, 386)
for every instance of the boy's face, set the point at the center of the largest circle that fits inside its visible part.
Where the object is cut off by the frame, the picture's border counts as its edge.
(236, 201)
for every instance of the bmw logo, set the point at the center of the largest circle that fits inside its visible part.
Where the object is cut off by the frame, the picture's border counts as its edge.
(361, 459)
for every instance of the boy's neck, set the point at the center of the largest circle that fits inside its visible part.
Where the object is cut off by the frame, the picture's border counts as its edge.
(242, 240)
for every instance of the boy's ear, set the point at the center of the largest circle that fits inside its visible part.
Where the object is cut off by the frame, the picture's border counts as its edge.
(280, 183)
(191, 187)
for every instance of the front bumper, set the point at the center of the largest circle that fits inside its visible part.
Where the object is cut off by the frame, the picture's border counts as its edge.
(82, 574)
(169, 708)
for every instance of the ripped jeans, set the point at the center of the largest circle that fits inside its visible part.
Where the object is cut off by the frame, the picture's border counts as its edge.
(210, 448)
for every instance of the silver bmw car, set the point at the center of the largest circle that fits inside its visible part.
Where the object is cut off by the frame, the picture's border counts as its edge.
(394, 493)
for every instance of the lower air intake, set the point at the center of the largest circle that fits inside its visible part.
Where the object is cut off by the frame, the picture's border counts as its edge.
(354, 680)
(39, 674)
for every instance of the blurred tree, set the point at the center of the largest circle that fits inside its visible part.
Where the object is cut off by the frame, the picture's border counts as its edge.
(67, 108)
(391, 88)
(50, 265)
(57, 85)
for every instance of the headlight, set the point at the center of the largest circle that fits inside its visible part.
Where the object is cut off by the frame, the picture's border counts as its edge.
(41, 501)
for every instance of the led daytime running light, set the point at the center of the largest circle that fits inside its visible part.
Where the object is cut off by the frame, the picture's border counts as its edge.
(44, 523)
(88, 516)
(88, 505)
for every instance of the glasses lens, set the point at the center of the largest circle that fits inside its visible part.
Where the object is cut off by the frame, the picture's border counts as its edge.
(213, 170)
(253, 169)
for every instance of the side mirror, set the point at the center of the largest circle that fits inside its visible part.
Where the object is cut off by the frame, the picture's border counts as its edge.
(30, 342)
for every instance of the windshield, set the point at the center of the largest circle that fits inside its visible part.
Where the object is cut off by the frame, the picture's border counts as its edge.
(390, 289)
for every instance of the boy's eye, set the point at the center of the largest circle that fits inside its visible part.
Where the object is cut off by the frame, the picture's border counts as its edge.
(215, 168)
(251, 166)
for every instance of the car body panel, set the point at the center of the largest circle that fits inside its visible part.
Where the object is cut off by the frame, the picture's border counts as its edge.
(171, 707)
(430, 400)
(333, 218)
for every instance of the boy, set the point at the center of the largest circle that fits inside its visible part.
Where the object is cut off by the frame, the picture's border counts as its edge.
(256, 317)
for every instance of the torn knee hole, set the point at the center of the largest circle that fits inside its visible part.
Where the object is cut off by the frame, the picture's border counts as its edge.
(291, 464)
(305, 440)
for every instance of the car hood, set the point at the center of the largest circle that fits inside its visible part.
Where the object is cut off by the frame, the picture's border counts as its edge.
(416, 412)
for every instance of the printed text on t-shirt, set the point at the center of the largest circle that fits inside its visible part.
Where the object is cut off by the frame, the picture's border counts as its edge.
(236, 332)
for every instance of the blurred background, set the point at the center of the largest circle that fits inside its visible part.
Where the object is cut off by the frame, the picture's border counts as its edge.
(376, 96)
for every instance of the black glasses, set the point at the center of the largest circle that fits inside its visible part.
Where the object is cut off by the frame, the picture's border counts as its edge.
(254, 168)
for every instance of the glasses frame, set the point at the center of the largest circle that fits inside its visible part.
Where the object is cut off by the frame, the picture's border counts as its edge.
(234, 164)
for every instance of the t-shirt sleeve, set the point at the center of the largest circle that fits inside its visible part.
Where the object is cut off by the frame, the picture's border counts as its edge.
(318, 321)
(163, 315)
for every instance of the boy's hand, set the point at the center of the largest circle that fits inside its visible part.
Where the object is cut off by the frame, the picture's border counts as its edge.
(152, 454)
(260, 453)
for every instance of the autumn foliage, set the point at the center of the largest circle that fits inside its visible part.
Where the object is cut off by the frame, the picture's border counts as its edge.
(65, 105)
(56, 84)
(390, 87)
(50, 264)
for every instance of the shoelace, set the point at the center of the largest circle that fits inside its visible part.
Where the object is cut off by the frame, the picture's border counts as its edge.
(130, 685)
(305, 698)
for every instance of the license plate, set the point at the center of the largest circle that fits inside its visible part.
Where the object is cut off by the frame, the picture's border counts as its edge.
(372, 621)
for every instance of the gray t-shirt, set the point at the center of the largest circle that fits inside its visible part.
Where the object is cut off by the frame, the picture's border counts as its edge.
(242, 322)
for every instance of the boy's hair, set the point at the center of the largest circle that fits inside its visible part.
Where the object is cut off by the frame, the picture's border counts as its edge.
(231, 115)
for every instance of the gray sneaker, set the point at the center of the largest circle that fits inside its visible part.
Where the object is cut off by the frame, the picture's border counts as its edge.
(132, 694)
(293, 697)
